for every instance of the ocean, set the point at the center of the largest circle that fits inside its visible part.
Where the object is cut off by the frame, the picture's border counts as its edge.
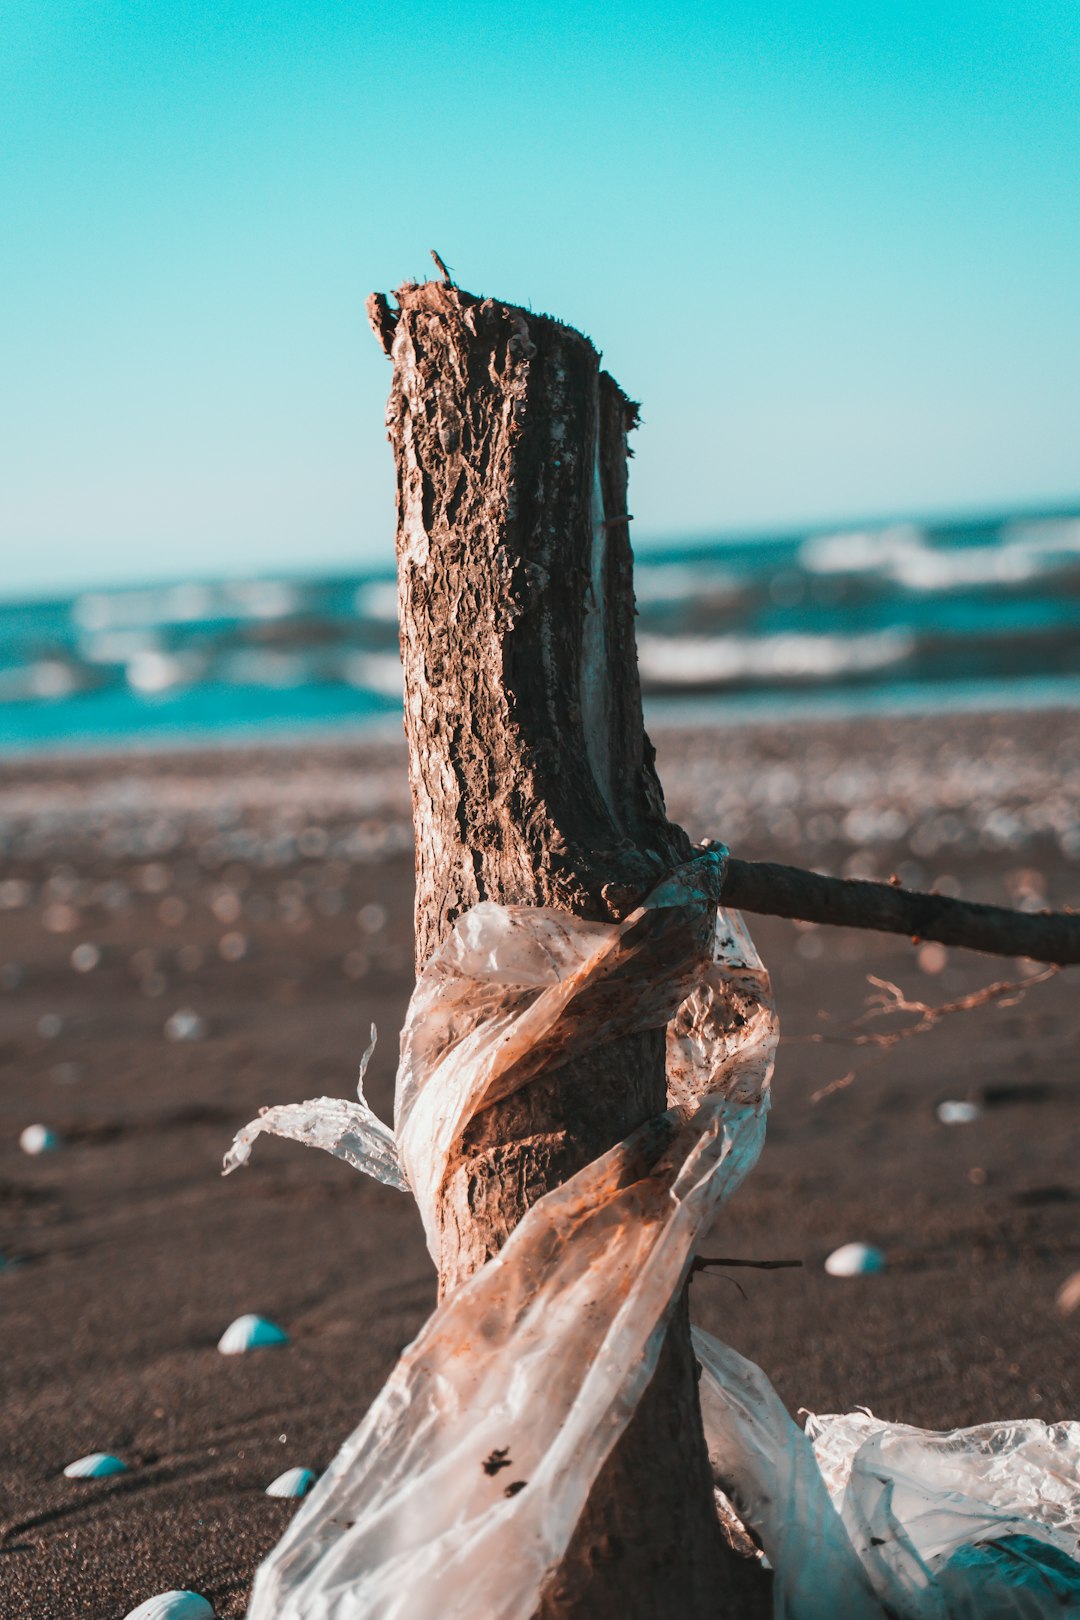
(894, 617)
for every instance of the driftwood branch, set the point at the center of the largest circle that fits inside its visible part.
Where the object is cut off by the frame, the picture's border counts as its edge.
(790, 891)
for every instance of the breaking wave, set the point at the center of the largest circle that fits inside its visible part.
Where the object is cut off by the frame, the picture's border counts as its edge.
(945, 611)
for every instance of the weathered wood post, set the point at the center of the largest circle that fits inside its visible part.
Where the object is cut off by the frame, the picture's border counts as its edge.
(533, 782)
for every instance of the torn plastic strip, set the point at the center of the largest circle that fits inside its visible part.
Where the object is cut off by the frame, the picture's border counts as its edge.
(349, 1130)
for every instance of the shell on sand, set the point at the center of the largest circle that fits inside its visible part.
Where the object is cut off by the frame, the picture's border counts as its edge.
(173, 1606)
(250, 1333)
(96, 1465)
(293, 1482)
(185, 1025)
(958, 1113)
(1068, 1295)
(854, 1260)
(39, 1139)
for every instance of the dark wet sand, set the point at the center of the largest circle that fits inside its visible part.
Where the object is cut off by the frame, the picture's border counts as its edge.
(129, 1254)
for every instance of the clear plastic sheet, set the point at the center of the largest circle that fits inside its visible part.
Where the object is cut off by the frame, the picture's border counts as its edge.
(973, 1523)
(535, 1365)
(868, 1519)
(765, 1465)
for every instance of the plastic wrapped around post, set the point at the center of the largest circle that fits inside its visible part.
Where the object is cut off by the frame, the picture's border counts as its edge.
(459, 1492)
(515, 991)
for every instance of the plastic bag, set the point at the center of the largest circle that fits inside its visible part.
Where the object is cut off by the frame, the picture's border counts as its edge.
(863, 1518)
(974, 1522)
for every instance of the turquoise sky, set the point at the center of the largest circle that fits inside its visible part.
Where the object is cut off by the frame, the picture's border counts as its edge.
(834, 248)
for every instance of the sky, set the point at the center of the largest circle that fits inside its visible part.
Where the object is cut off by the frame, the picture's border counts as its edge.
(834, 249)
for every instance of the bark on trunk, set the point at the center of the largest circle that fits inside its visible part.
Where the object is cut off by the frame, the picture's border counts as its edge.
(533, 783)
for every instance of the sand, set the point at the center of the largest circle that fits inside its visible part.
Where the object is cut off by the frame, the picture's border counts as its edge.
(268, 892)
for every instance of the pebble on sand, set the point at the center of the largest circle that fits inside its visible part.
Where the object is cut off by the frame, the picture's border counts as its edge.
(958, 1113)
(226, 907)
(173, 1606)
(932, 957)
(39, 1139)
(184, 1025)
(854, 1260)
(293, 1482)
(1068, 1295)
(233, 947)
(85, 957)
(250, 1333)
(97, 1465)
(60, 919)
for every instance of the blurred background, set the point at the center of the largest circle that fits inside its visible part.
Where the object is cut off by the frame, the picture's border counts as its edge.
(899, 618)
(834, 248)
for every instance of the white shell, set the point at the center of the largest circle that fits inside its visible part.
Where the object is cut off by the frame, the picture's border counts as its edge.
(98, 1465)
(173, 1606)
(185, 1025)
(293, 1482)
(854, 1260)
(958, 1113)
(250, 1333)
(39, 1139)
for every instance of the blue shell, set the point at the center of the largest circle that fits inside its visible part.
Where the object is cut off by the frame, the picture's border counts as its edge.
(293, 1482)
(97, 1465)
(39, 1139)
(173, 1606)
(855, 1260)
(250, 1333)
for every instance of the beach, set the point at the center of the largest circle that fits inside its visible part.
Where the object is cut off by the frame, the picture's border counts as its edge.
(186, 937)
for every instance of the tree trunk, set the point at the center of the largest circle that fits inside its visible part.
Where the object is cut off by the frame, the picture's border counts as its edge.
(533, 783)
